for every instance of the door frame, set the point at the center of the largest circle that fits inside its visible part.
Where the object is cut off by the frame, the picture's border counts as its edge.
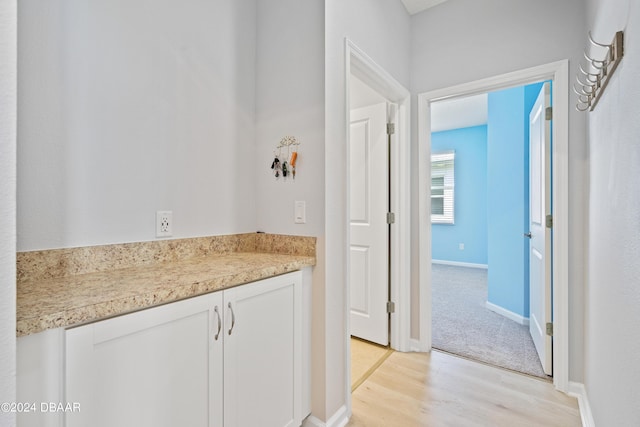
(358, 63)
(558, 72)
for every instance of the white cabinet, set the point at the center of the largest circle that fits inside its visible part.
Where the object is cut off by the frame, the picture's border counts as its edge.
(156, 367)
(262, 354)
(231, 358)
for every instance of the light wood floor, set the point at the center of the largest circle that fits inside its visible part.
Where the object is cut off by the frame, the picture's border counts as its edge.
(438, 389)
(366, 357)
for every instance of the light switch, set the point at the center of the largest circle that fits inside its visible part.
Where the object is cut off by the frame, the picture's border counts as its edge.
(300, 214)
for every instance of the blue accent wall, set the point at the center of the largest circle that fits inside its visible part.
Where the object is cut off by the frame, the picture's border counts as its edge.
(492, 210)
(508, 197)
(470, 197)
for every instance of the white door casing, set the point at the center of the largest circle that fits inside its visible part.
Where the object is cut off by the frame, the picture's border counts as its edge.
(539, 234)
(368, 277)
(558, 72)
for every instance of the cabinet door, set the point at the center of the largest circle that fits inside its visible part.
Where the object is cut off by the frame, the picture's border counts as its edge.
(157, 367)
(262, 353)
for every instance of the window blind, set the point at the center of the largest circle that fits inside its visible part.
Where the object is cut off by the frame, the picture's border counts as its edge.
(442, 187)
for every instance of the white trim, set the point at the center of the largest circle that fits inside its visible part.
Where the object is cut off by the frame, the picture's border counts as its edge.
(460, 264)
(578, 391)
(362, 66)
(559, 73)
(416, 346)
(339, 419)
(508, 314)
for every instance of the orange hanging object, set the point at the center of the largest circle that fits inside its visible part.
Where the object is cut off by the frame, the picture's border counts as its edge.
(294, 156)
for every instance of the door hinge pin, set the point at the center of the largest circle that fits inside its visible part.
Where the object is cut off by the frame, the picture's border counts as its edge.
(548, 113)
(550, 329)
(549, 221)
(391, 307)
(391, 218)
(391, 128)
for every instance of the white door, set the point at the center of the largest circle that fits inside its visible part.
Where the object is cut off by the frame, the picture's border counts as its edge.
(263, 353)
(539, 233)
(369, 231)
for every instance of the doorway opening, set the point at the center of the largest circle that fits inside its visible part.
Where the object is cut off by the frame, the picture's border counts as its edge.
(370, 174)
(390, 101)
(557, 73)
(480, 222)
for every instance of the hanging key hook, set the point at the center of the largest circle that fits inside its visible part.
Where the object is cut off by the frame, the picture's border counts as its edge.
(586, 107)
(595, 62)
(581, 96)
(589, 75)
(585, 86)
(595, 43)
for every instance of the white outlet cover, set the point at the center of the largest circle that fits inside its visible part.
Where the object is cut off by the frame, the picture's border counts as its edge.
(164, 223)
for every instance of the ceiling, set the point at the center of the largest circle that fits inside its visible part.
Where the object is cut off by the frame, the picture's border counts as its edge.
(459, 113)
(417, 6)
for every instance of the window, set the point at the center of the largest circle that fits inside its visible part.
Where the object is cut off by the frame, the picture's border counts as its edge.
(442, 183)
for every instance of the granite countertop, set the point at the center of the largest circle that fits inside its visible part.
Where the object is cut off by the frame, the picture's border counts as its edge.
(47, 303)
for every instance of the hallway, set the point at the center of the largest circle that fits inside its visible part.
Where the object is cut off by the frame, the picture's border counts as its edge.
(438, 389)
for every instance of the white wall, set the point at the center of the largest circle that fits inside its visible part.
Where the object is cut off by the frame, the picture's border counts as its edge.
(381, 30)
(461, 41)
(126, 108)
(290, 101)
(8, 76)
(612, 318)
(361, 95)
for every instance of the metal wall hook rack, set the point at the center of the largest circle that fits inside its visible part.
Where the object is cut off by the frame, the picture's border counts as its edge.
(280, 166)
(596, 77)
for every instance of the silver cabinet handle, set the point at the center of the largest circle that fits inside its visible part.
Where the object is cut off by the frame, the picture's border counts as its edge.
(527, 234)
(233, 319)
(219, 323)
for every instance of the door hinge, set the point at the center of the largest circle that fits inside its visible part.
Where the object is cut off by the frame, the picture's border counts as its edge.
(550, 329)
(548, 113)
(391, 307)
(391, 128)
(549, 221)
(391, 218)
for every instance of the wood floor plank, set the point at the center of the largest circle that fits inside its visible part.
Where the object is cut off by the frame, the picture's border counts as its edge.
(365, 358)
(438, 389)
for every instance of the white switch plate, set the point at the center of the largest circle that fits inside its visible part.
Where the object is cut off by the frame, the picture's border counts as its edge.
(164, 223)
(461, 246)
(300, 212)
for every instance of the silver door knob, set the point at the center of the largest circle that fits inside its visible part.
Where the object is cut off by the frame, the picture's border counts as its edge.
(527, 234)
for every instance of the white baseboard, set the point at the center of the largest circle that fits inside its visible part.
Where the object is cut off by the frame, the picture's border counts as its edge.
(508, 314)
(578, 391)
(416, 346)
(339, 419)
(460, 264)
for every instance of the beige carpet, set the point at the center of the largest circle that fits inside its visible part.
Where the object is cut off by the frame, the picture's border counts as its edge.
(366, 357)
(463, 325)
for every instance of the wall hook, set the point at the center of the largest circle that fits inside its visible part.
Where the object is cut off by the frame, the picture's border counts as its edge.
(589, 92)
(589, 75)
(595, 43)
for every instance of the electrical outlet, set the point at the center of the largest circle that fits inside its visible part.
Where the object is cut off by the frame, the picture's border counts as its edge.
(461, 246)
(164, 223)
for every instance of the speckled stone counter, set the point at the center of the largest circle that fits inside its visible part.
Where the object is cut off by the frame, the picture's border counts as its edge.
(66, 287)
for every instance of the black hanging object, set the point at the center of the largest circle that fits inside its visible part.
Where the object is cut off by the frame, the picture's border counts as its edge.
(284, 169)
(275, 163)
